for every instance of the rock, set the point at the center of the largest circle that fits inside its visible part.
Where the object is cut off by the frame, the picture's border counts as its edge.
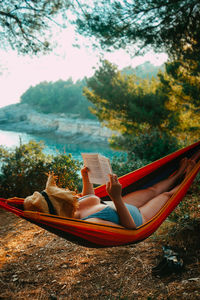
(194, 279)
(22, 118)
(52, 297)
(14, 277)
(63, 287)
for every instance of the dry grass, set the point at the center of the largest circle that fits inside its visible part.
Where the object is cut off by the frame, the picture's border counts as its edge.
(35, 264)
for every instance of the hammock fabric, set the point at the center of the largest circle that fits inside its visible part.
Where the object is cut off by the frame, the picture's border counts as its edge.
(98, 235)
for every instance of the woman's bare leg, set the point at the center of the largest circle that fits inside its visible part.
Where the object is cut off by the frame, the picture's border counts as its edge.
(139, 198)
(151, 208)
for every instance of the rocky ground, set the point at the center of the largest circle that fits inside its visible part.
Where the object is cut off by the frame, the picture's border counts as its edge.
(35, 264)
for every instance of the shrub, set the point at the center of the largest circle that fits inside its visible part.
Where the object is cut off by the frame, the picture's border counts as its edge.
(123, 164)
(188, 209)
(148, 146)
(24, 170)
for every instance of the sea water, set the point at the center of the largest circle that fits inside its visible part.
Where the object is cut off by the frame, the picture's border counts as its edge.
(53, 146)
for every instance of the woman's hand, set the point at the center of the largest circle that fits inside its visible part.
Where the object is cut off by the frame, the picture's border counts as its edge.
(114, 188)
(87, 186)
(84, 172)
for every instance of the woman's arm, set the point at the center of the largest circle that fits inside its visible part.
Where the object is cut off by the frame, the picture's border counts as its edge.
(87, 185)
(114, 190)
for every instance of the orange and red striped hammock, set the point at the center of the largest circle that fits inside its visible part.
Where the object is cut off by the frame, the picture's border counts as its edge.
(98, 235)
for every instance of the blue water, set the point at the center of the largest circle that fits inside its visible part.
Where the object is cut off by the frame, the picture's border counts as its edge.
(54, 146)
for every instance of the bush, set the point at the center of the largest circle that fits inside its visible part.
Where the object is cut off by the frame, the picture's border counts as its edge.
(24, 170)
(148, 146)
(188, 209)
(123, 164)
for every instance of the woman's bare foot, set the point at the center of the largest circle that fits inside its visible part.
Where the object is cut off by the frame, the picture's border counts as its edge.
(183, 167)
(190, 166)
(195, 156)
(186, 166)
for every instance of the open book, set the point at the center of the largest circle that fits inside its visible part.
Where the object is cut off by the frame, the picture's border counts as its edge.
(99, 167)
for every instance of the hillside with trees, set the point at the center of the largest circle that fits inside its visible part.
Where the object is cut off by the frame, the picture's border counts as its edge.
(67, 96)
(146, 70)
(59, 97)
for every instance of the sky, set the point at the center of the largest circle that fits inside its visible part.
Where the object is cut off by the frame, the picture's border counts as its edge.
(18, 73)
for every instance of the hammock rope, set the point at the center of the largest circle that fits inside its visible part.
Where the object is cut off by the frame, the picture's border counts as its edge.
(99, 235)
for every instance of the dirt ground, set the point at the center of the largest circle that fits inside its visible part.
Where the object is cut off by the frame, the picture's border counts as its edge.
(35, 264)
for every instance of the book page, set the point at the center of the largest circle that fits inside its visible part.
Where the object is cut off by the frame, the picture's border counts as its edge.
(99, 167)
(105, 167)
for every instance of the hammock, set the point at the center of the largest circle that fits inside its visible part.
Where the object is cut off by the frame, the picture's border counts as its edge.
(98, 235)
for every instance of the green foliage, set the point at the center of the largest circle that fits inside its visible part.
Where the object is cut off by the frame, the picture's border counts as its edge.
(58, 97)
(24, 24)
(148, 146)
(185, 75)
(67, 170)
(124, 164)
(137, 109)
(181, 84)
(24, 170)
(170, 26)
(126, 103)
(153, 117)
(187, 214)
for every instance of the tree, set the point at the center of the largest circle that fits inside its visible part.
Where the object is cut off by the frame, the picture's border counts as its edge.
(24, 23)
(136, 109)
(126, 103)
(182, 87)
(172, 26)
(166, 25)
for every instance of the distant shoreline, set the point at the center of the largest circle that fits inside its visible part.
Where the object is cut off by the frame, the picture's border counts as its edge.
(22, 118)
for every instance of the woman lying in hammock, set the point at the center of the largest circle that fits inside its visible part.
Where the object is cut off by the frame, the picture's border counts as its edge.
(129, 211)
(132, 210)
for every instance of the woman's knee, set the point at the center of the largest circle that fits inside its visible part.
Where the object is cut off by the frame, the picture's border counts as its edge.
(152, 191)
(166, 195)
